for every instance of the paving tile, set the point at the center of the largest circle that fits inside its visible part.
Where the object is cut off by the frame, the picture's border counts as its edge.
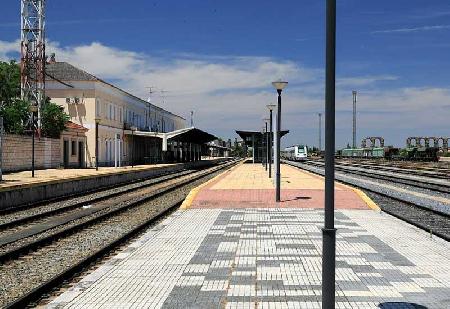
(183, 265)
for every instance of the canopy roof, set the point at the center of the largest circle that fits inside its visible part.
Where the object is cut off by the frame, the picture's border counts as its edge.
(248, 135)
(191, 135)
(188, 135)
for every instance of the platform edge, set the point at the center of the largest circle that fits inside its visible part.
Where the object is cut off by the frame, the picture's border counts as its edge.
(193, 193)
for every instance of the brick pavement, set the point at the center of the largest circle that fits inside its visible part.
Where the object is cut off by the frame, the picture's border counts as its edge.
(249, 187)
(269, 257)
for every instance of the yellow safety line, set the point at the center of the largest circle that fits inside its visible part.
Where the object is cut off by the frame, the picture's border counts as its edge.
(193, 193)
(369, 202)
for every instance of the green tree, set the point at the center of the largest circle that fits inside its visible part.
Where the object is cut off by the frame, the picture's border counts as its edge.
(15, 116)
(53, 119)
(9, 82)
(13, 110)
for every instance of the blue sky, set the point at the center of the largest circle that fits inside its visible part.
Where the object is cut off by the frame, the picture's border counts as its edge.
(219, 57)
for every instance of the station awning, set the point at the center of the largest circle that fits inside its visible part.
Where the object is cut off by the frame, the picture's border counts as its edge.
(186, 135)
(247, 136)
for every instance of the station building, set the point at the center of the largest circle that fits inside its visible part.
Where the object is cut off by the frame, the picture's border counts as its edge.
(129, 129)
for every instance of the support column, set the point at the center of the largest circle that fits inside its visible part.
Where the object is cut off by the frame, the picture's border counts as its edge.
(115, 150)
(253, 145)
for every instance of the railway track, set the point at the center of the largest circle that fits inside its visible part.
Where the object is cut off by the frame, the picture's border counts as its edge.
(86, 234)
(412, 179)
(435, 221)
(435, 172)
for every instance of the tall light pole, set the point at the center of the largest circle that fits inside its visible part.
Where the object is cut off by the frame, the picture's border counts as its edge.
(320, 132)
(266, 121)
(354, 118)
(97, 121)
(329, 232)
(279, 86)
(271, 107)
(262, 147)
(33, 110)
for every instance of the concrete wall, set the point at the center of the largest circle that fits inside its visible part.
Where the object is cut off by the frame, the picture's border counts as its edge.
(17, 153)
(46, 191)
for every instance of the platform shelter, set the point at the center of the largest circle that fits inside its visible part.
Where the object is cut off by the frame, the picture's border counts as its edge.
(257, 141)
(184, 145)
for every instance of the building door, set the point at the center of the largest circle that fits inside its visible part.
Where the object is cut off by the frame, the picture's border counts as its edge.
(81, 154)
(66, 154)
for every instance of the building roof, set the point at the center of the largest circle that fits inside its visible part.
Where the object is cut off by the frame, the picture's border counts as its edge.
(75, 126)
(64, 73)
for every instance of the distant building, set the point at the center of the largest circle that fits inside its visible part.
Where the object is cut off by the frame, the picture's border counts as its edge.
(86, 97)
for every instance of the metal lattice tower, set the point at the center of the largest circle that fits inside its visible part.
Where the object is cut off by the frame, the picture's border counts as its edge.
(32, 62)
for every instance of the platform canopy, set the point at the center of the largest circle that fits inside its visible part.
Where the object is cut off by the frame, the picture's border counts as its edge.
(191, 135)
(186, 135)
(247, 136)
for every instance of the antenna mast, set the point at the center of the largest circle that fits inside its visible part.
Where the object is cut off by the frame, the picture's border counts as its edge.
(32, 48)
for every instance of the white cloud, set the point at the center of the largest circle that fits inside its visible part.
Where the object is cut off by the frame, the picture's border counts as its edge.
(8, 49)
(363, 80)
(230, 92)
(414, 29)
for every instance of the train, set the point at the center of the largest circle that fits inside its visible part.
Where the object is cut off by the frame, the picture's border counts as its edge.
(391, 153)
(295, 153)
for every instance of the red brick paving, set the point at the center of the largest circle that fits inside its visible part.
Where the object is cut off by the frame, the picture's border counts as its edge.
(345, 198)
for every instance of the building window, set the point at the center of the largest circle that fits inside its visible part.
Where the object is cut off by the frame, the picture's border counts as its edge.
(74, 148)
(97, 108)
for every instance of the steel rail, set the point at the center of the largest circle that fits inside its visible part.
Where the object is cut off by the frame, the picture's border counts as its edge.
(43, 202)
(423, 184)
(21, 250)
(37, 292)
(415, 223)
(27, 219)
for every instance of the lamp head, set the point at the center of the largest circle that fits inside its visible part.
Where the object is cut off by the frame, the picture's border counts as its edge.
(133, 128)
(271, 107)
(97, 120)
(279, 84)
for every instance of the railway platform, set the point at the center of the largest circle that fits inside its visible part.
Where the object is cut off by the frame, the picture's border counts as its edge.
(231, 246)
(19, 188)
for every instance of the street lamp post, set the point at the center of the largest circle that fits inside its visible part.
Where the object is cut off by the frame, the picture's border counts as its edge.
(33, 110)
(320, 133)
(271, 108)
(354, 93)
(266, 120)
(279, 86)
(329, 232)
(97, 121)
(262, 146)
(133, 128)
